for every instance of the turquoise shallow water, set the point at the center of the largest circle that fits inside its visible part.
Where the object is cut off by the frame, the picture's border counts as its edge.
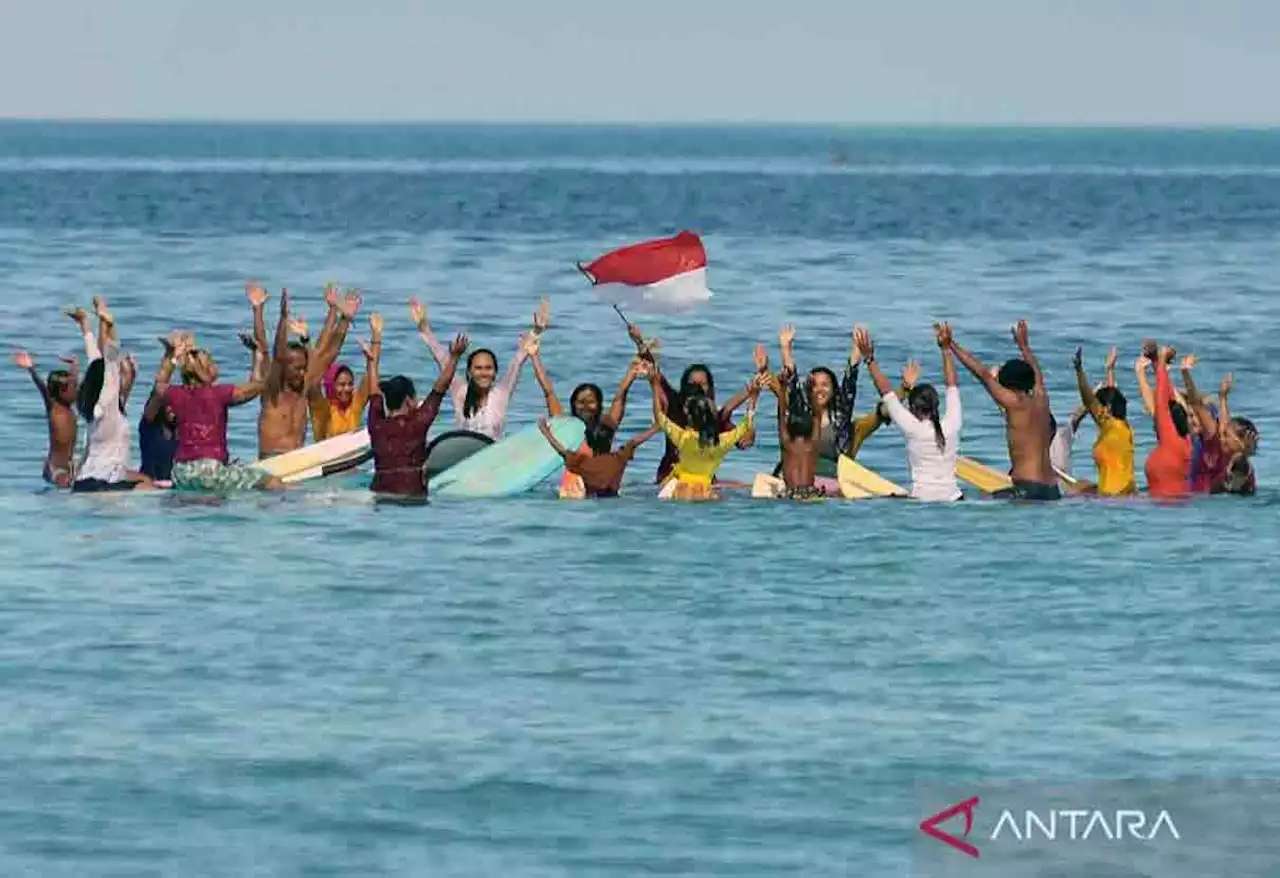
(310, 684)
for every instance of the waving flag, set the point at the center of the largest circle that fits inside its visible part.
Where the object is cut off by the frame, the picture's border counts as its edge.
(668, 275)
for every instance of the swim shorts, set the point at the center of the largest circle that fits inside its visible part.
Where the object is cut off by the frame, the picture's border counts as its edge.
(95, 486)
(216, 477)
(1023, 490)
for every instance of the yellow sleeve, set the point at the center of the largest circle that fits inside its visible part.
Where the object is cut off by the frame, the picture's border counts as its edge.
(319, 417)
(734, 436)
(863, 427)
(674, 433)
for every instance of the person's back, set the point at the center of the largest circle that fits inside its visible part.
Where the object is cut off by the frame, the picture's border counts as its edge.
(1168, 467)
(933, 443)
(398, 437)
(1018, 388)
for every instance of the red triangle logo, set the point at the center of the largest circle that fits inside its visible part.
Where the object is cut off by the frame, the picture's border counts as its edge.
(930, 828)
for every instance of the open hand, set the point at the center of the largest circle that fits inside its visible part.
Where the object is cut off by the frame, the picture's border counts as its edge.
(1021, 335)
(351, 304)
(376, 325)
(417, 313)
(1112, 356)
(331, 295)
(365, 348)
(866, 346)
(298, 326)
(458, 346)
(942, 334)
(100, 308)
(23, 360)
(1078, 360)
(1189, 362)
(79, 315)
(911, 374)
(639, 368)
(542, 317)
(1150, 349)
(1228, 381)
(256, 295)
(786, 335)
(760, 356)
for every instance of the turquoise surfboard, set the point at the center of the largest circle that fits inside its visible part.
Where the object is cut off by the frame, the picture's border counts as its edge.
(510, 466)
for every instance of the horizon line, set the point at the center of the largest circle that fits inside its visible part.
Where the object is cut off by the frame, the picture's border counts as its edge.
(633, 123)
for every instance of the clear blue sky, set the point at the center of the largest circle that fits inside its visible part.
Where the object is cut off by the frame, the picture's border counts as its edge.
(987, 61)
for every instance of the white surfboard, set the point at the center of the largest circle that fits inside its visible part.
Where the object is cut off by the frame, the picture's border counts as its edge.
(313, 458)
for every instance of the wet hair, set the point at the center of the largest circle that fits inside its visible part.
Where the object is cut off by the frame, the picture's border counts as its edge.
(1018, 375)
(57, 382)
(1247, 430)
(298, 346)
(701, 414)
(835, 385)
(189, 375)
(923, 402)
(688, 388)
(470, 404)
(91, 388)
(800, 415)
(395, 391)
(591, 387)
(1181, 422)
(600, 437)
(1113, 400)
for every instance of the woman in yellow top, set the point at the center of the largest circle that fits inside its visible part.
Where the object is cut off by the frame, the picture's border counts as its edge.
(339, 407)
(1113, 450)
(700, 447)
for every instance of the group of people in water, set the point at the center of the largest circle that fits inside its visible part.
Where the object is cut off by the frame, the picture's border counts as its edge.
(182, 432)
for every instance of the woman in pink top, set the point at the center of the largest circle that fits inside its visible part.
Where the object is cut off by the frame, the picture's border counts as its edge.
(201, 462)
(479, 403)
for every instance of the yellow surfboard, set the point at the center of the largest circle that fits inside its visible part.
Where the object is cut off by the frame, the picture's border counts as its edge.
(981, 476)
(858, 483)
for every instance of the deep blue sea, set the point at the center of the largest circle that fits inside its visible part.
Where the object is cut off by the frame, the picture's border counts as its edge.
(309, 685)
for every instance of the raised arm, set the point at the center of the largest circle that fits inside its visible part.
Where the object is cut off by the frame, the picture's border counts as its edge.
(1022, 338)
(23, 360)
(372, 354)
(330, 344)
(1224, 391)
(554, 409)
(555, 443)
(618, 408)
(1165, 429)
(107, 336)
(418, 312)
(1003, 396)
(257, 297)
(332, 315)
(1208, 423)
(1087, 397)
(1112, 355)
(445, 378)
(867, 348)
(787, 385)
(156, 401)
(942, 334)
(1140, 367)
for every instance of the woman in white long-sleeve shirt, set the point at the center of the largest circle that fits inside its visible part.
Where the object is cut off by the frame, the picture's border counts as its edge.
(933, 436)
(101, 403)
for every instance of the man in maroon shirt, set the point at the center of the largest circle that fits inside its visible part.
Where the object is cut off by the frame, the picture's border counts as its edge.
(398, 425)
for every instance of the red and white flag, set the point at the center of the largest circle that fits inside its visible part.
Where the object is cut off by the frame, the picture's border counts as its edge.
(665, 276)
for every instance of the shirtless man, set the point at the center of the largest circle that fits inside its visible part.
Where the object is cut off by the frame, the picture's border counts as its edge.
(1018, 388)
(59, 394)
(294, 371)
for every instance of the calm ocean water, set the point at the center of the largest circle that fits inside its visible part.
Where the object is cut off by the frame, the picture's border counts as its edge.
(308, 685)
